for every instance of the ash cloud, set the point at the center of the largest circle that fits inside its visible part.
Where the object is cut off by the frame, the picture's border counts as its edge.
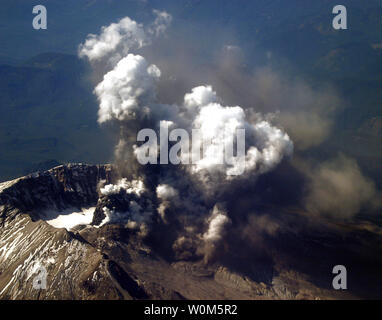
(187, 195)
(305, 111)
(200, 208)
(218, 224)
(338, 189)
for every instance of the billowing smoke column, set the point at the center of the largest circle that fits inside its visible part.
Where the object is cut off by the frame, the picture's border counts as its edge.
(128, 90)
(118, 39)
(189, 197)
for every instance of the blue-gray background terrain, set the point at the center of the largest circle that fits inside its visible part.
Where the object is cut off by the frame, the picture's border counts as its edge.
(49, 114)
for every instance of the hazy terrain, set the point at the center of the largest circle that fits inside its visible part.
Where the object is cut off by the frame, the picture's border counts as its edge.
(39, 118)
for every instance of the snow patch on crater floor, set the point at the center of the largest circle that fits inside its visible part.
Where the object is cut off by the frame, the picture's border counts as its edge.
(69, 219)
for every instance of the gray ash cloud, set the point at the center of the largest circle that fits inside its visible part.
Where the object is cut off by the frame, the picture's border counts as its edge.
(199, 210)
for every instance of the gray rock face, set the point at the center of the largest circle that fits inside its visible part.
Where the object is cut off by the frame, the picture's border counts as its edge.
(58, 188)
(75, 269)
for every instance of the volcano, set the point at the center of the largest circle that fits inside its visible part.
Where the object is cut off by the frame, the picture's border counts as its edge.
(54, 220)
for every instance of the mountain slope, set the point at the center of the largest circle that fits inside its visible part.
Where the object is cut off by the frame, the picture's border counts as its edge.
(112, 262)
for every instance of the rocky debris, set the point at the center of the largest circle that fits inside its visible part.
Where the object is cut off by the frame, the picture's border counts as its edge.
(119, 202)
(223, 275)
(126, 282)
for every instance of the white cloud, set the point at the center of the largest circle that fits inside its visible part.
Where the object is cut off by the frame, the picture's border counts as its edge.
(266, 144)
(217, 225)
(126, 90)
(118, 39)
(135, 186)
(114, 41)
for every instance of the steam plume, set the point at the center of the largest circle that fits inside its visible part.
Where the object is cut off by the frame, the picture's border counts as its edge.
(188, 196)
